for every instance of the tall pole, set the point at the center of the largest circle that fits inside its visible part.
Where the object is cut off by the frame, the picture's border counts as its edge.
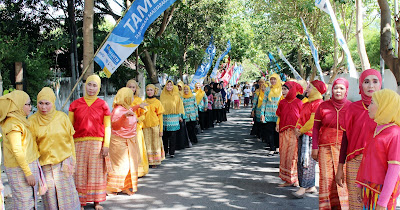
(396, 43)
(382, 64)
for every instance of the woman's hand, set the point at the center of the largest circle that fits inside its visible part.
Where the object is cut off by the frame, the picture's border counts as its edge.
(339, 178)
(252, 114)
(314, 154)
(31, 180)
(142, 105)
(104, 151)
(297, 132)
(359, 195)
(129, 113)
(161, 134)
(277, 128)
(262, 118)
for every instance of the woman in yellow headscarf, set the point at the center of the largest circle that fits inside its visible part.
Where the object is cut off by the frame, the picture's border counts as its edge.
(53, 133)
(140, 113)
(256, 109)
(202, 102)
(191, 113)
(20, 150)
(174, 111)
(90, 117)
(268, 113)
(124, 149)
(180, 85)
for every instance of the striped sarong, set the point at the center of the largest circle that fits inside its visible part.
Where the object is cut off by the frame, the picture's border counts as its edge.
(331, 195)
(370, 196)
(61, 193)
(23, 196)
(143, 167)
(124, 155)
(90, 175)
(305, 164)
(154, 145)
(351, 176)
(288, 156)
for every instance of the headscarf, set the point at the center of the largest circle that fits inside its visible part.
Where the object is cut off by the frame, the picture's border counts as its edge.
(260, 95)
(154, 88)
(303, 84)
(180, 83)
(292, 90)
(199, 94)
(208, 90)
(171, 100)
(318, 88)
(338, 104)
(388, 103)
(123, 98)
(12, 105)
(190, 94)
(132, 81)
(215, 88)
(92, 78)
(276, 90)
(366, 99)
(46, 94)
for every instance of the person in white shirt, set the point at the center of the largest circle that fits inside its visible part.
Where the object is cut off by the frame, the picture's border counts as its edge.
(246, 93)
(235, 97)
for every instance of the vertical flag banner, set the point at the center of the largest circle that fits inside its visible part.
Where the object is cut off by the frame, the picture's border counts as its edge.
(228, 75)
(273, 63)
(239, 74)
(295, 73)
(206, 63)
(214, 72)
(227, 66)
(314, 52)
(234, 75)
(325, 6)
(129, 33)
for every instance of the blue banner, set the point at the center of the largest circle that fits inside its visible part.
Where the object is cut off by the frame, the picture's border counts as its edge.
(273, 64)
(314, 52)
(236, 74)
(129, 33)
(295, 73)
(214, 72)
(206, 63)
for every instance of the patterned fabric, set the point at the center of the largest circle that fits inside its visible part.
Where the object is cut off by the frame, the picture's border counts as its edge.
(256, 109)
(288, 156)
(352, 167)
(154, 145)
(370, 196)
(61, 193)
(305, 164)
(143, 167)
(191, 111)
(218, 103)
(331, 196)
(171, 122)
(203, 103)
(269, 107)
(210, 100)
(90, 175)
(23, 196)
(124, 155)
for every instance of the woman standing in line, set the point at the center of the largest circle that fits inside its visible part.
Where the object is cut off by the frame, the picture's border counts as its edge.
(53, 133)
(257, 103)
(124, 147)
(152, 127)
(140, 114)
(210, 102)
(304, 127)
(90, 117)
(327, 138)
(218, 103)
(202, 103)
(191, 115)
(174, 110)
(380, 166)
(359, 130)
(20, 150)
(224, 100)
(288, 113)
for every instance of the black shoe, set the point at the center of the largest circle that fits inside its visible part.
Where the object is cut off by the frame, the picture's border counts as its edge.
(172, 156)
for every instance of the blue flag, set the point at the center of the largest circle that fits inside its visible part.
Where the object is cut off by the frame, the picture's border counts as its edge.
(206, 63)
(129, 33)
(273, 62)
(214, 72)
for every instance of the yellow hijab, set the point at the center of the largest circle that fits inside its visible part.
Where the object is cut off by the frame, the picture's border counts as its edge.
(199, 94)
(171, 100)
(133, 82)
(123, 98)
(388, 103)
(190, 94)
(261, 94)
(180, 83)
(154, 88)
(276, 90)
(314, 94)
(91, 99)
(46, 94)
(12, 105)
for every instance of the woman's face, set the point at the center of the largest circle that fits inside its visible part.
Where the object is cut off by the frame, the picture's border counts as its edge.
(339, 91)
(272, 80)
(179, 88)
(285, 91)
(186, 90)
(92, 88)
(44, 107)
(150, 91)
(370, 85)
(309, 89)
(27, 107)
(263, 88)
(169, 86)
(198, 87)
(372, 108)
(132, 86)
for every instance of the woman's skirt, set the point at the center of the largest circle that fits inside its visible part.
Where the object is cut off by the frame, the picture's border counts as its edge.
(182, 137)
(154, 145)
(351, 176)
(91, 174)
(371, 196)
(143, 167)
(288, 156)
(330, 194)
(124, 155)
(305, 164)
(61, 193)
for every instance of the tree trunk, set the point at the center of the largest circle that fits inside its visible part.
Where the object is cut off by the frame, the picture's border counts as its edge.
(150, 67)
(88, 49)
(360, 37)
(313, 68)
(386, 40)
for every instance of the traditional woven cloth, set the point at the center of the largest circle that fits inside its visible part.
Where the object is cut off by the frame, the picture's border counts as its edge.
(352, 167)
(288, 156)
(154, 145)
(90, 175)
(171, 122)
(61, 193)
(143, 167)
(124, 155)
(24, 196)
(370, 196)
(330, 195)
(305, 164)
